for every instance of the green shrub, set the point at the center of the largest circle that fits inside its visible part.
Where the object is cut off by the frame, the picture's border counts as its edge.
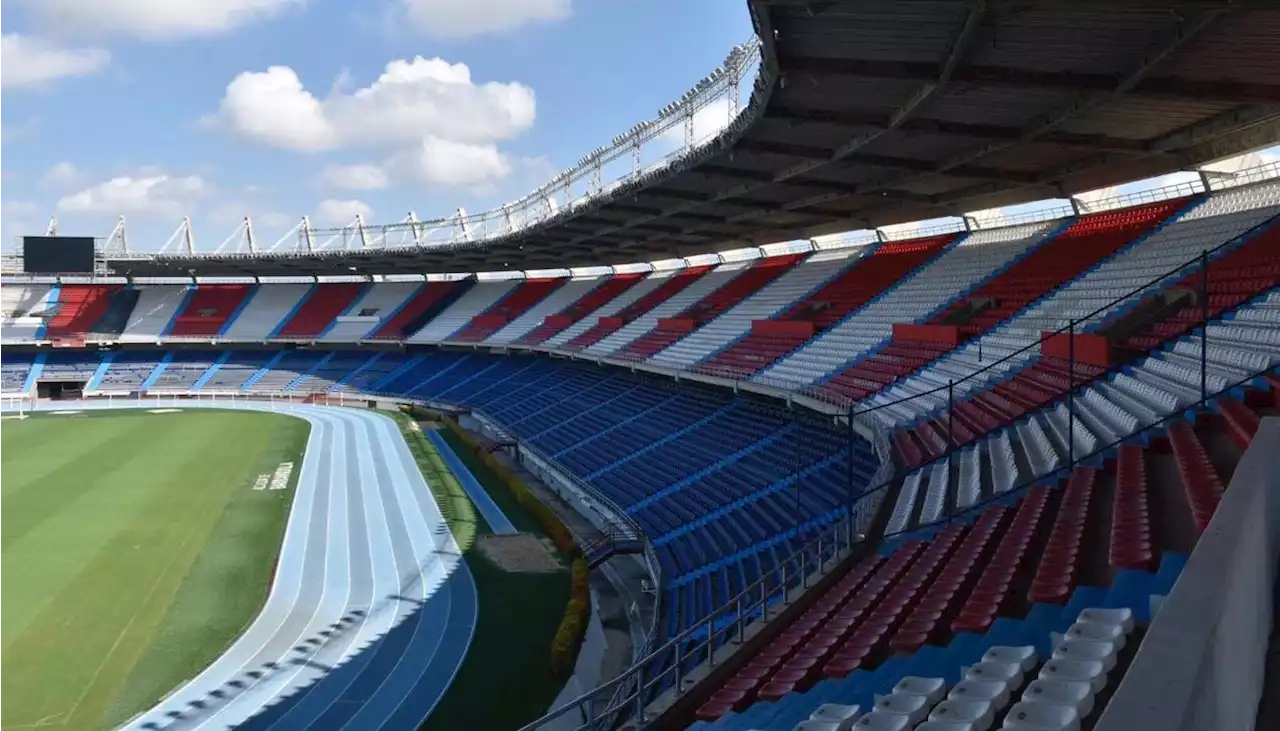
(577, 613)
(551, 525)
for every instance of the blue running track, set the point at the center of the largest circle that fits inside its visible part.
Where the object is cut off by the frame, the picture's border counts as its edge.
(372, 609)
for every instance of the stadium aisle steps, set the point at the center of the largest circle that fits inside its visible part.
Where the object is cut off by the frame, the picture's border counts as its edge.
(607, 291)
(208, 309)
(866, 278)
(512, 305)
(665, 286)
(694, 316)
(319, 310)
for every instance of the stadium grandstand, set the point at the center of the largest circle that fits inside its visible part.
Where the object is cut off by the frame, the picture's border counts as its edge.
(916, 404)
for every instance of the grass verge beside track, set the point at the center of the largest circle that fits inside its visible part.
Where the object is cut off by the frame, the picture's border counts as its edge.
(506, 679)
(134, 551)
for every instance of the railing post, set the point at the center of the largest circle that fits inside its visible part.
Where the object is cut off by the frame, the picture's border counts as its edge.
(1071, 394)
(849, 476)
(951, 434)
(640, 692)
(679, 668)
(804, 575)
(1204, 327)
(742, 623)
(711, 641)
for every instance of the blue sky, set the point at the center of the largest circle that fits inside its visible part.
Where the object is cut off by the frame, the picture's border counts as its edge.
(278, 108)
(275, 109)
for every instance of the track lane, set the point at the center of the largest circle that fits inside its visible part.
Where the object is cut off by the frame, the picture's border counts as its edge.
(371, 611)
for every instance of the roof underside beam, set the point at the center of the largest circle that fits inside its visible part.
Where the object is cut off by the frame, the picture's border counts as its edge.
(915, 125)
(1075, 82)
(806, 152)
(1123, 84)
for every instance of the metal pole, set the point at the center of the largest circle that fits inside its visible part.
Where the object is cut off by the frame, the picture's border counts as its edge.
(849, 477)
(1204, 327)
(1071, 394)
(742, 624)
(951, 433)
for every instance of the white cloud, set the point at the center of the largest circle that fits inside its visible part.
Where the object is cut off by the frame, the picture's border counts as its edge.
(456, 19)
(342, 212)
(152, 195)
(62, 176)
(154, 19)
(272, 107)
(410, 101)
(355, 177)
(445, 163)
(28, 62)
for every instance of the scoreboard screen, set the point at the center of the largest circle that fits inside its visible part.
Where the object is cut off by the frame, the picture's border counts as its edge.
(57, 254)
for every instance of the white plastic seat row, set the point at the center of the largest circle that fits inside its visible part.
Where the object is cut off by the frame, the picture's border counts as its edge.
(610, 308)
(477, 299)
(380, 300)
(563, 296)
(672, 306)
(267, 308)
(954, 272)
(792, 286)
(1063, 693)
(1212, 222)
(905, 505)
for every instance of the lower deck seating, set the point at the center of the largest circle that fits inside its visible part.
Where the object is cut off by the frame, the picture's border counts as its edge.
(126, 373)
(182, 372)
(13, 373)
(1021, 616)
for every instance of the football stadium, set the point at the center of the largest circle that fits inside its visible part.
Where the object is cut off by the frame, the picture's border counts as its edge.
(936, 389)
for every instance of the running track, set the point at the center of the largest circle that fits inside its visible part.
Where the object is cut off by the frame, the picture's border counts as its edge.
(371, 611)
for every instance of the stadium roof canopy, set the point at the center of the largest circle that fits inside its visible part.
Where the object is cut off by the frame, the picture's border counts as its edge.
(867, 113)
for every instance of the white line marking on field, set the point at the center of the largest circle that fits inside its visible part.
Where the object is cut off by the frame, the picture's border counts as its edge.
(164, 411)
(280, 480)
(65, 413)
(14, 416)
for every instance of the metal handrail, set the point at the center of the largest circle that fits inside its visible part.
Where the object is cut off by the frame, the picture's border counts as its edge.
(1188, 267)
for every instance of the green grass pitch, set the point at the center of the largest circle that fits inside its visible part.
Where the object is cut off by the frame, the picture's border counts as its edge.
(134, 550)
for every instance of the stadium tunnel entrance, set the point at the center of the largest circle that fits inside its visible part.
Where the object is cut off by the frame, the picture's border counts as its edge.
(60, 390)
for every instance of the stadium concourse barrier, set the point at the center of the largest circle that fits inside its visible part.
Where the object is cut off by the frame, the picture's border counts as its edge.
(1202, 664)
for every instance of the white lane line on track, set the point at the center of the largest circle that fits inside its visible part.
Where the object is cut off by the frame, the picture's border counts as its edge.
(423, 594)
(368, 629)
(419, 493)
(426, 502)
(336, 565)
(384, 583)
(297, 529)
